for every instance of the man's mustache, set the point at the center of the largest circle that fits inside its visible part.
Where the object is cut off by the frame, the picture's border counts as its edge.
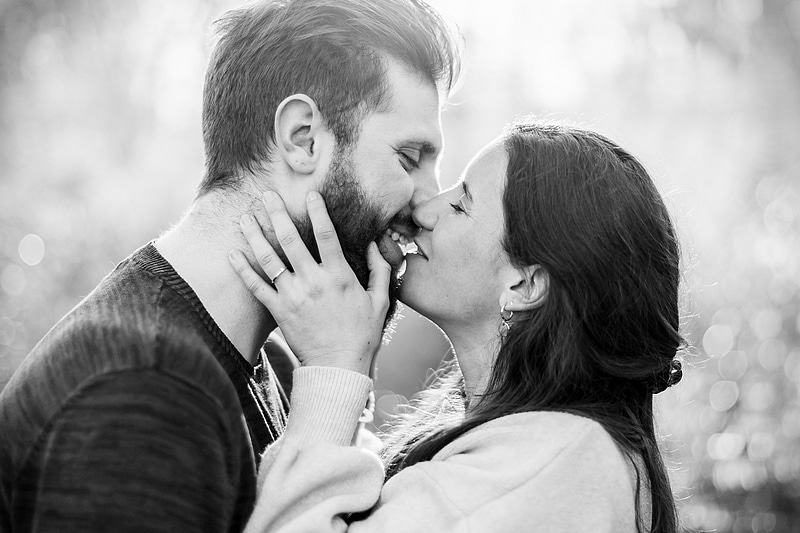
(404, 223)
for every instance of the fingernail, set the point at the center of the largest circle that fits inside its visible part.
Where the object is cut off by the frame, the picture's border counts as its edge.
(247, 220)
(269, 196)
(313, 196)
(233, 256)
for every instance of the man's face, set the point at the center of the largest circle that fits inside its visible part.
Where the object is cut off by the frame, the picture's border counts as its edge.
(394, 159)
(372, 186)
(358, 220)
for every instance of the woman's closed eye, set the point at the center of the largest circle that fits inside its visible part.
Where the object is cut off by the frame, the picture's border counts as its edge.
(458, 207)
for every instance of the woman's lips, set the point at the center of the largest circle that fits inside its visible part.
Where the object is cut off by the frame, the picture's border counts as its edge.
(418, 251)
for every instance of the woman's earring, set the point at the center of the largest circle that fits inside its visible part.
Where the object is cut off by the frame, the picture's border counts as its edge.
(505, 317)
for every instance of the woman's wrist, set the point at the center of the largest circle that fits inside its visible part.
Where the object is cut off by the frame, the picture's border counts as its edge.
(351, 361)
(326, 404)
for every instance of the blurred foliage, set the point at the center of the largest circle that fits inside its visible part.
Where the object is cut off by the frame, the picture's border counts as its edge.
(100, 149)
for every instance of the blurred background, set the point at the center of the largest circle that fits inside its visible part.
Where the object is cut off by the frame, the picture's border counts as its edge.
(100, 150)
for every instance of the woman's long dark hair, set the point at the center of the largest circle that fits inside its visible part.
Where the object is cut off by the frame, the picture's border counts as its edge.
(606, 337)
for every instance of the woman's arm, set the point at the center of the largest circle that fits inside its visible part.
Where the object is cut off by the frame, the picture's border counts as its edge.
(312, 478)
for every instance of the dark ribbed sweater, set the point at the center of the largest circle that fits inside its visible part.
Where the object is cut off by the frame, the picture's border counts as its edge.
(135, 413)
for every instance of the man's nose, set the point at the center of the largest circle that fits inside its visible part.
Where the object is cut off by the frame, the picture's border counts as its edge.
(424, 214)
(426, 186)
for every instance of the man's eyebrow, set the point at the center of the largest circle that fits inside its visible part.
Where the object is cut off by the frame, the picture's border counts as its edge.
(466, 190)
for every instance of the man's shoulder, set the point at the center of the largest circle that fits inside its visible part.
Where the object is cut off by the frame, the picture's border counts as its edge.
(117, 326)
(104, 335)
(85, 351)
(123, 326)
(133, 319)
(135, 430)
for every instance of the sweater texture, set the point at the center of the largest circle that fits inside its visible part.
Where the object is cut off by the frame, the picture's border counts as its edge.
(135, 413)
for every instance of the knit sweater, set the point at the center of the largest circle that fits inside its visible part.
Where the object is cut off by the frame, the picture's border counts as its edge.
(135, 413)
(536, 471)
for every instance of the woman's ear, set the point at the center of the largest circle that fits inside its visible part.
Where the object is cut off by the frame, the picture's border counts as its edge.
(300, 134)
(527, 290)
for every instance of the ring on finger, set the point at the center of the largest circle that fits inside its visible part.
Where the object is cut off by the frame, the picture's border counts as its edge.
(281, 271)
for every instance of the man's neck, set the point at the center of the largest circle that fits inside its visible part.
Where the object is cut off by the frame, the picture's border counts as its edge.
(197, 248)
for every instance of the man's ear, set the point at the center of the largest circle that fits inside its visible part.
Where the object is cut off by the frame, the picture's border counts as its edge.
(300, 134)
(526, 290)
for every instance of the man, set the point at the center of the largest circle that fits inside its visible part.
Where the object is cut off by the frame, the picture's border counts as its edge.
(146, 408)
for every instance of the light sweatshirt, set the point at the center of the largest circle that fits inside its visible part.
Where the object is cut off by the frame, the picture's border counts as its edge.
(535, 471)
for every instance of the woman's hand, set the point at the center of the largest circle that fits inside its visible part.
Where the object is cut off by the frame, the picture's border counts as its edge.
(328, 319)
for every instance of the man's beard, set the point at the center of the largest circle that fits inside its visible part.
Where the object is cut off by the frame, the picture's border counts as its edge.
(358, 222)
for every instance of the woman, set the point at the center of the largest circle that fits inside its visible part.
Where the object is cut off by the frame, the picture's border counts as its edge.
(553, 269)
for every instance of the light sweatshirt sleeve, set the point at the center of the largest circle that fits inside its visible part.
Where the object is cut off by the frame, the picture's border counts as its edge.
(312, 477)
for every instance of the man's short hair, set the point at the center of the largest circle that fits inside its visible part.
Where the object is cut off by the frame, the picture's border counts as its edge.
(333, 51)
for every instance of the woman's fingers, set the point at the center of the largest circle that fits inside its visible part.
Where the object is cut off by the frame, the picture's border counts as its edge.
(286, 233)
(325, 316)
(254, 283)
(267, 258)
(330, 250)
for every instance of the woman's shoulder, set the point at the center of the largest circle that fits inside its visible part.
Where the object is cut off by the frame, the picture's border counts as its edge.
(555, 469)
(552, 426)
(537, 438)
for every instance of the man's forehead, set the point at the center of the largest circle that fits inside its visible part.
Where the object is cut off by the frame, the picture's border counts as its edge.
(413, 106)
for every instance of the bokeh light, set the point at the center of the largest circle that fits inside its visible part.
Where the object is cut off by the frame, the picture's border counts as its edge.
(31, 249)
(12, 280)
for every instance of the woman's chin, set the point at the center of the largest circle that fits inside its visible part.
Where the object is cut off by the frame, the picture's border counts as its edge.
(413, 293)
(408, 287)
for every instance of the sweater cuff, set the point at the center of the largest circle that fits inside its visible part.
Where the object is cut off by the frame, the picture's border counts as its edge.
(326, 405)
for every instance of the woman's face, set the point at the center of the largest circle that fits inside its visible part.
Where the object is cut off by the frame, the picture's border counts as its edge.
(454, 276)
